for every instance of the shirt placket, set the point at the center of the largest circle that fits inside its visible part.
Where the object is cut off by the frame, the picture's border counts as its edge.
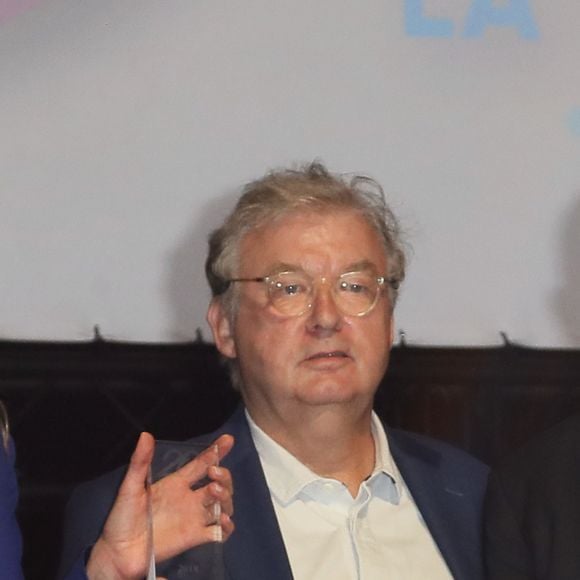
(355, 513)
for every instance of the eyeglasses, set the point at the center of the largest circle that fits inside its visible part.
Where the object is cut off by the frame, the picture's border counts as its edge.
(293, 293)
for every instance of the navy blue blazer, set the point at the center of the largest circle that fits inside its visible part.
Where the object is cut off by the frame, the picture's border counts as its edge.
(10, 538)
(447, 485)
(10, 541)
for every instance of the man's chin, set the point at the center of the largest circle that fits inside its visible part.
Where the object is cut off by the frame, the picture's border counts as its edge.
(329, 393)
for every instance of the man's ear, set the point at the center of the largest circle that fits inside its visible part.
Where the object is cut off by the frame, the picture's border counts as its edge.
(221, 328)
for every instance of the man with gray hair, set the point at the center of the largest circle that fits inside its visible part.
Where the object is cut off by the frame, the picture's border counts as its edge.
(305, 274)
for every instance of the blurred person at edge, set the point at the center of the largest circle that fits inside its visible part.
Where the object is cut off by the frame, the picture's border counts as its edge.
(120, 552)
(304, 275)
(532, 509)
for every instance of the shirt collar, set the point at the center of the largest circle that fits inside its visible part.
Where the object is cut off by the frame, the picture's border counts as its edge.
(287, 476)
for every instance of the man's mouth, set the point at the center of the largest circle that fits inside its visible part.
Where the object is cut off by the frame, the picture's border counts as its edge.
(329, 354)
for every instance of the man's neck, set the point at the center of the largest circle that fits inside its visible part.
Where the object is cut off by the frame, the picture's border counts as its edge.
(329, 441)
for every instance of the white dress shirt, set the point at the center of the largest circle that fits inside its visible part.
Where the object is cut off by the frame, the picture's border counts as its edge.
(329, 535)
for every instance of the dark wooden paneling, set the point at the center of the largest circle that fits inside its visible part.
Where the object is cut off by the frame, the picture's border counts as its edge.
(77, 408)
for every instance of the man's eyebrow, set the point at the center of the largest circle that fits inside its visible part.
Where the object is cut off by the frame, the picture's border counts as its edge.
(361, 265)
(283, 267)
(358, 266)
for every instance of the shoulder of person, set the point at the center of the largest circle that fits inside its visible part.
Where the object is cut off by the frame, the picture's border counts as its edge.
(554, 450)
(434, 451)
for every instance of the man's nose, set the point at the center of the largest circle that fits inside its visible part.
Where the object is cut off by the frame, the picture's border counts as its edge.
(324, 317)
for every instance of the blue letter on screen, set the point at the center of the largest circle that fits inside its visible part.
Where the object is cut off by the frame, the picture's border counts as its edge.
(515, 13)
(416, 24)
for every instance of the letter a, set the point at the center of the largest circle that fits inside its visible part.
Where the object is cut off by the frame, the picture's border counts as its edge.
(515, 13)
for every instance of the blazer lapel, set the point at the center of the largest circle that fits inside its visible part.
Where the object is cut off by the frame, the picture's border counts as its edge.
(256, 549)
(446, 500)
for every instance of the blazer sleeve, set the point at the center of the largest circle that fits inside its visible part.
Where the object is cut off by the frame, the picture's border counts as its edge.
(85, 516)
(78, 571)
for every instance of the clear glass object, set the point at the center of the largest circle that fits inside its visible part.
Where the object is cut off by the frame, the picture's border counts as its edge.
(204, 562)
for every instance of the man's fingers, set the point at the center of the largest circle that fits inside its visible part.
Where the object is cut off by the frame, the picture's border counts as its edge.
(138, 466)
(224, 444)
(143, 453)
(223, 477)
(198, 467)
(220, 532)
(221, 494)
(227, 526)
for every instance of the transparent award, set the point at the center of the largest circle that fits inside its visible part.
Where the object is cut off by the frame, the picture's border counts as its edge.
(202, 562)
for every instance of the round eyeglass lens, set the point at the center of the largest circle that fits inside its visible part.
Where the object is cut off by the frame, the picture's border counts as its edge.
(290, 292)
(356, 292)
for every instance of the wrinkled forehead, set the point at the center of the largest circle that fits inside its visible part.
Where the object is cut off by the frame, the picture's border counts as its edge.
(317, 242)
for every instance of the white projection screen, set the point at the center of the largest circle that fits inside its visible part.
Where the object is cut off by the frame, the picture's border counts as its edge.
(126, 128)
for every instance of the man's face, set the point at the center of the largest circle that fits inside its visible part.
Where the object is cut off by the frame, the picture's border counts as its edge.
(321, 357)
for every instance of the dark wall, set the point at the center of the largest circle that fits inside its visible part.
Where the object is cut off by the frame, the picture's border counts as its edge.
(77, 408)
